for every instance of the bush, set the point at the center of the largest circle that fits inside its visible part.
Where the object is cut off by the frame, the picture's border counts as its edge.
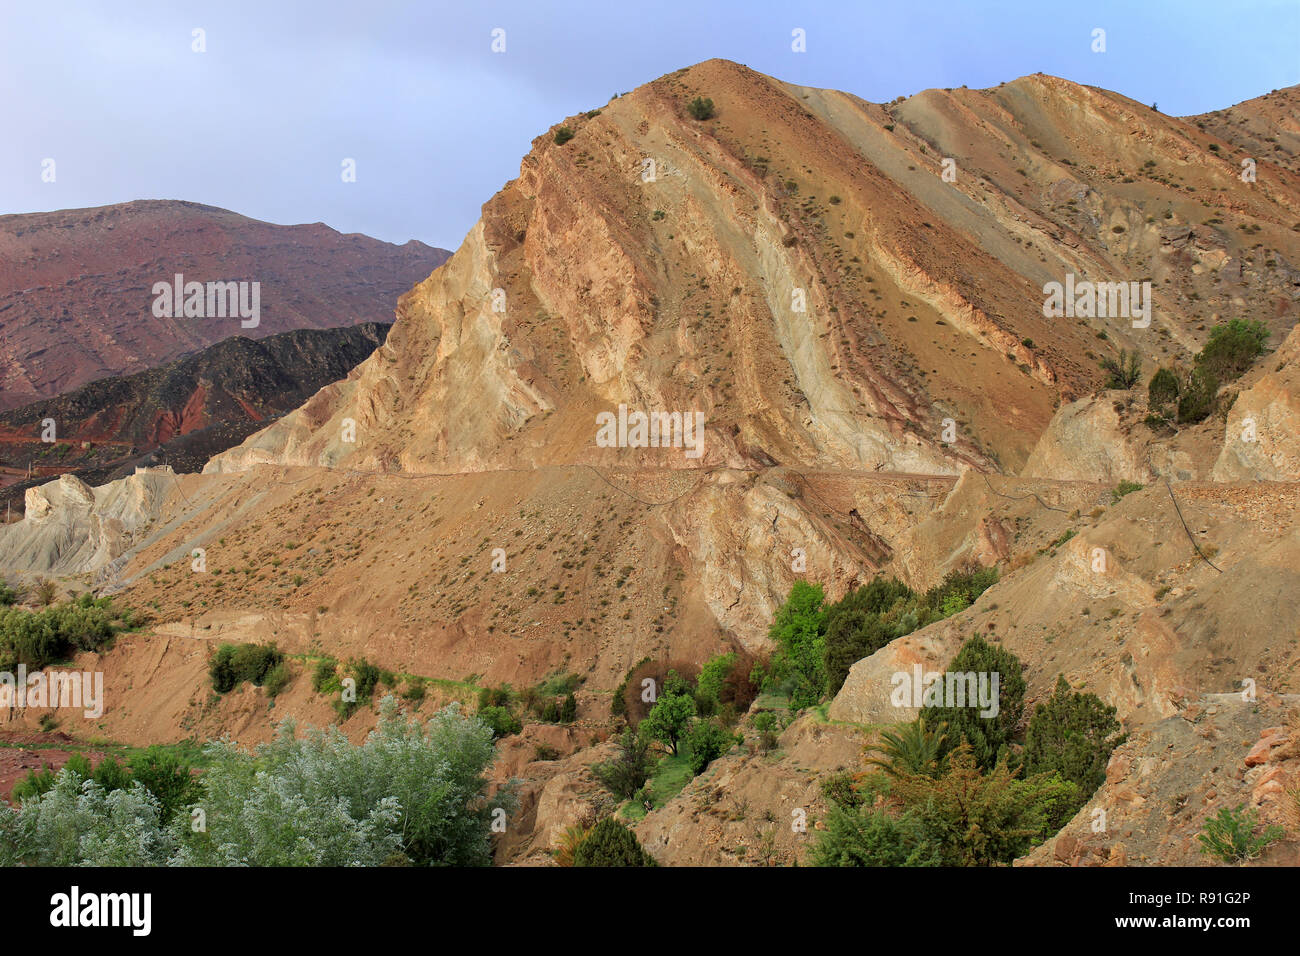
(1072, 734)
(169, 778)
(1196, 395)
(325, 677)
(610, 843)
(1123, 372)
(1230, 835)
(1232, 348)
(1124, 488)
(277, 679)
(708, 688)
(984, 819)
(626, 772)
(769, 729)
(669, 719)
(798, 667)
(701, 108)
(500, 720)
(706, 741)
(569, 709)
(233, 664)
(855, 837)
(367, 677)
(41, 638)
(1162, 391)
(8, 595)
(988, 737)
(563, 135)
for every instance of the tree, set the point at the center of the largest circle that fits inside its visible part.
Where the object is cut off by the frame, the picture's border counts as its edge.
(1072, 734)
(915, 749)
(1162, 391)
(569, 709)
(982, 819)
(501, 721)
(1232, 348)
(851, 636)
(669, 719)
(856, 837)
(708, 688)
(987, 736)
(1123, 372)
(798, 667)
(707, 740)
(1196, 395)
(610, 843)
(701, 108)
(629, 769)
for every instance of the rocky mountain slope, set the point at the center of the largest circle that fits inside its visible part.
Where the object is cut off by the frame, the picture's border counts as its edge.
(881, 393)
(76, 299)
(181, 413)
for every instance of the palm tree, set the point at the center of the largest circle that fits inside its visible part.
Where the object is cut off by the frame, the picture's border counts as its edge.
(915, 749)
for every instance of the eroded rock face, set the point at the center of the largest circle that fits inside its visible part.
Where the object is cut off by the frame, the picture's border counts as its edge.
(1262, 438)
(71, 528)
(1087, 442)
(867, 696)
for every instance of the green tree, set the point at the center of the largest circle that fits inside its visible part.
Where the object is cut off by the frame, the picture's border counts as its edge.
(914, 749)
(708, 688)
(982, 819)
(1233, 348)
(990, 736)
(706, 741)
(1072, 734)
(857, 837)
(610, 843)
(701, 108)
(669, 719)
(1196, 395)
(1163, 389)
(798, 667)
(851, 636)
(1124, 371)
(629, 769)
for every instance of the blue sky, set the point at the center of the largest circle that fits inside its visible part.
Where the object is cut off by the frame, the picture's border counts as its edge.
(261, 122)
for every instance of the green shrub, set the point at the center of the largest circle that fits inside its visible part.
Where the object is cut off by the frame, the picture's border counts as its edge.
(367, 677)
(234, 664)
(1230, 835)
(701, 108)
(1232, 348)
(1196, 395)
(277, 679)
(169, 778)
(626, 773)
(1124, 371)
(1072, 734)
(610, 843)
(988, 737)
(798, 667)
(325, 678)
(1162, 391)
(706, 741)
(669, 718)
(769, 729)
(500, 720)
(855, 837)
(1124, 488)
(569, 709)
(563, 135)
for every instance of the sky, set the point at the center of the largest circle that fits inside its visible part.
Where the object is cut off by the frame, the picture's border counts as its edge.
(262, 119)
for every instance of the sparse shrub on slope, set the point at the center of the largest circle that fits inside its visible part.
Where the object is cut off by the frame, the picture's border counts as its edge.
(701, 108)
(855, 837)
(1124, 371)
(706, 741)
(1229, 835)
(629, 769)
(1232, 348)
(234, 664)
(610, 843)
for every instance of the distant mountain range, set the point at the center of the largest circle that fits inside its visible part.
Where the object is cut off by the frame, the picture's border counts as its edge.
(76, 286)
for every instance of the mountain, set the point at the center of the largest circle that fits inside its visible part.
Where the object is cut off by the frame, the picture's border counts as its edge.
(855, 299)
(181, 413)
(77, 300)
